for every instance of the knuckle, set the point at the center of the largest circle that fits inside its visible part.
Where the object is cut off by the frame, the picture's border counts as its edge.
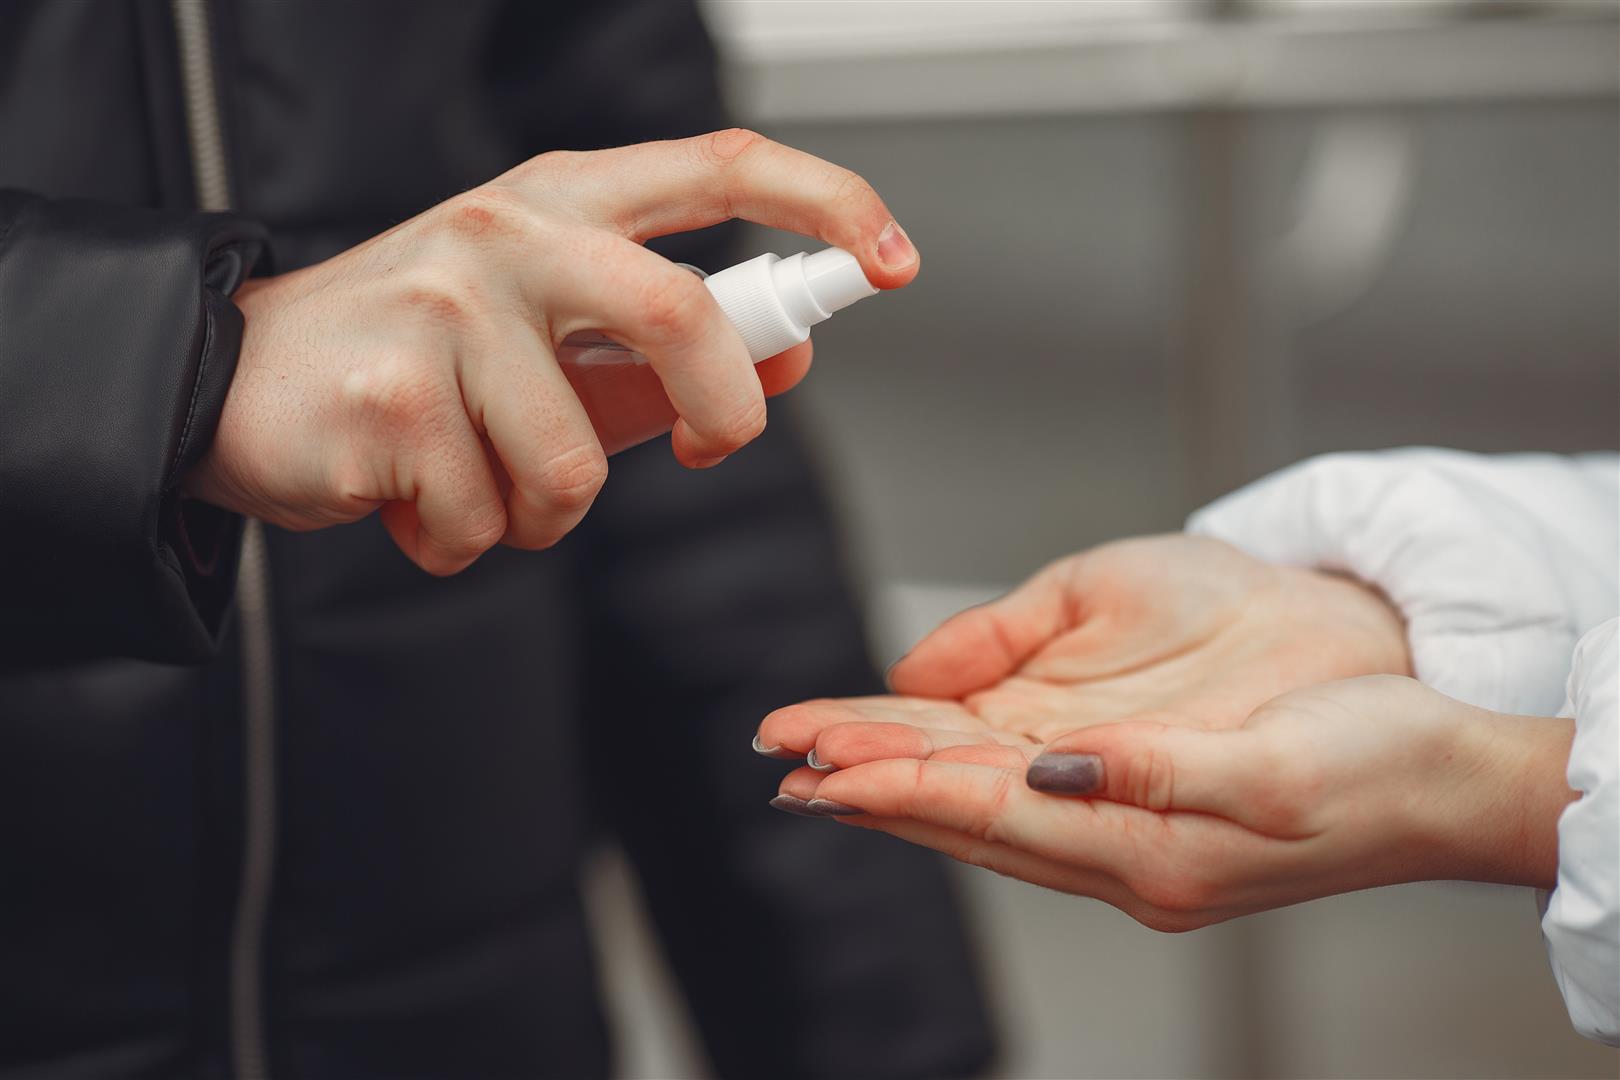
(438, 292)
(485, 527)
(552, 161)
(852, 190)
(394, 395)
(743, 427)
(908, 777)
(448, 303)
(570, 481)
(484, 213)
(1152, 782)
(723, 148)
(994, 828)
(673, 305)
(350, 481)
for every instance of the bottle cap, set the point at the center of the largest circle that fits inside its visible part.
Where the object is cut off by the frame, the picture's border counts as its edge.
(774, 302)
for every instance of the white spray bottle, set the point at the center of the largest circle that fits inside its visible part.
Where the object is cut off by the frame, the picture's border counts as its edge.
(773, 303)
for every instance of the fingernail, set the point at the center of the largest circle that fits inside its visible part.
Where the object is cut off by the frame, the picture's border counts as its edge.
(816, 763)
(781, 753)
(894, 247)
(828, 808)
(788, 804)
(707, 463)
(1066, 774)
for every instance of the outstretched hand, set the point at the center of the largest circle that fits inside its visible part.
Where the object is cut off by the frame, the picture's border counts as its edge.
(1182, 630)
(1338, 787)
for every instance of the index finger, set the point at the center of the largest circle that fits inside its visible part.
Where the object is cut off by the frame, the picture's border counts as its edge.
(657, 188)
(594, 280)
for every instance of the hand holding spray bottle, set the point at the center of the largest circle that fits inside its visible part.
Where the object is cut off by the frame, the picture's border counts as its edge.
(773, 303)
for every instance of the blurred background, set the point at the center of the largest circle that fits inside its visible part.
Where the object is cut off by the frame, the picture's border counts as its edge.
(1169, 246)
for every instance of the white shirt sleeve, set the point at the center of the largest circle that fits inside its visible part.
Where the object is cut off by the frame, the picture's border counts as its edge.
(1581, 916)
(1499, 565)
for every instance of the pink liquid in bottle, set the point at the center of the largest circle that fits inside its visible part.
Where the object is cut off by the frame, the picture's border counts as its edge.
(619, 389)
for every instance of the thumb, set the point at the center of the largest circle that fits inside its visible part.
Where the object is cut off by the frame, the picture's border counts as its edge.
(976, 648)
(1160, 767)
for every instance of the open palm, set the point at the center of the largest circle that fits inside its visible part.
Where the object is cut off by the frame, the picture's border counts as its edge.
(1323, 790)
(1180, 629)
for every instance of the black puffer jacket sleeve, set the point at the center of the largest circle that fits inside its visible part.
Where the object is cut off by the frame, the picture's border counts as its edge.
(118, 341)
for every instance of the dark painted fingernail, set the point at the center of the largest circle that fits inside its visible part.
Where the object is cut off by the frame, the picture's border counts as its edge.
(1066, 774)
(829, 808)
(816, 763)
(781, 753)
(788, 804)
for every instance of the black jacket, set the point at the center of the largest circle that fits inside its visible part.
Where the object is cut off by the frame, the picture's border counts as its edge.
(441, 753)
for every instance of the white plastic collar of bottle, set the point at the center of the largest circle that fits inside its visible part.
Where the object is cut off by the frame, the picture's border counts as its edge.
(773, 302)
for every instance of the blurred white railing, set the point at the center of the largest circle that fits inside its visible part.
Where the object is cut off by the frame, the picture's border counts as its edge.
(870, 59)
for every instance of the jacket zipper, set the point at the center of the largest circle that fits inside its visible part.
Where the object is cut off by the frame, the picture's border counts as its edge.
(211, 178)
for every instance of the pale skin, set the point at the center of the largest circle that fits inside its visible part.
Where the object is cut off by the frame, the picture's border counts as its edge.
(1216, 739)
(415, 373)
(1183, 628)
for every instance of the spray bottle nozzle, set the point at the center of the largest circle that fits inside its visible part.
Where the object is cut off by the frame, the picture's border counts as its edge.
(774, 302)
(835, 279)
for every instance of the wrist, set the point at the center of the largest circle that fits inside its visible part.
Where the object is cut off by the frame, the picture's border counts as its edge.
(214, 478)
(1510, 789)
